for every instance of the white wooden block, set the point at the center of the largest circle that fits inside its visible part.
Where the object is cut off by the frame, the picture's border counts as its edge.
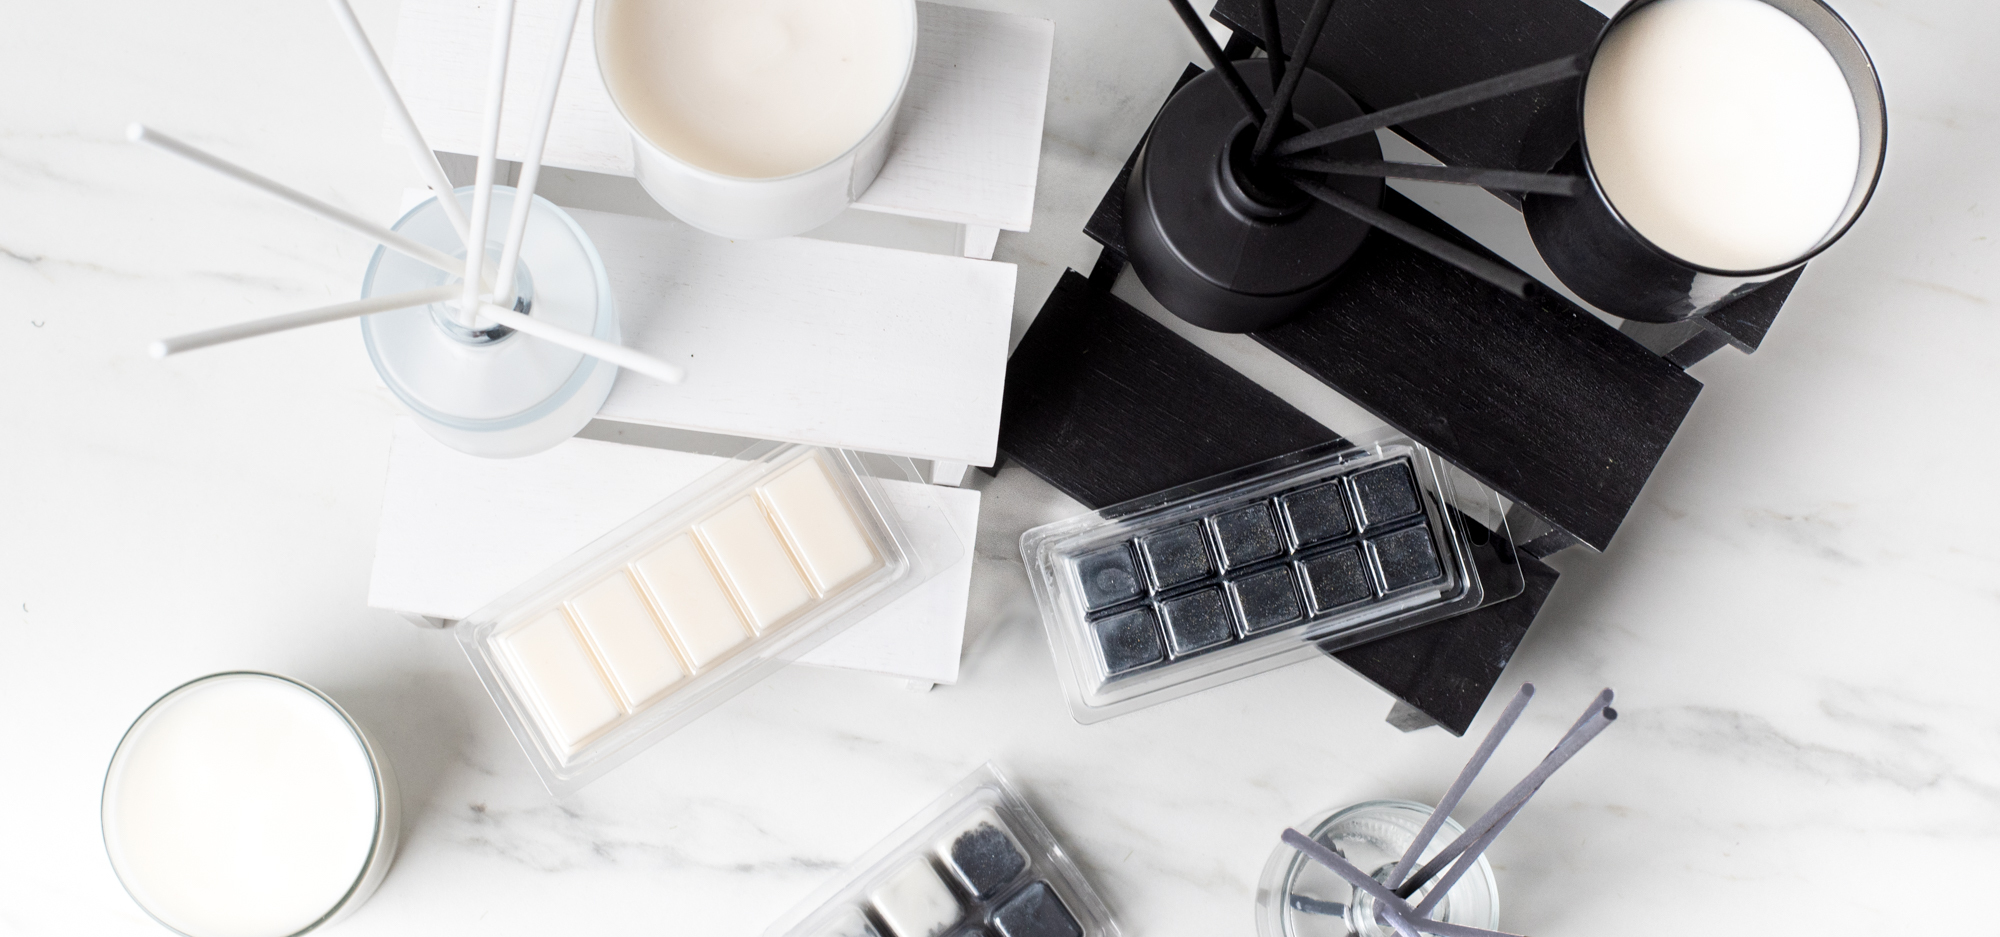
(967, 143)
(949, 473)
(810, 341)
(459, 531)
(978, 242)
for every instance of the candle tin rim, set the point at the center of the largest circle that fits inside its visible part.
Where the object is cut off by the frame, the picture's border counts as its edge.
(895, 104)
(1826, 240)
(381, 843)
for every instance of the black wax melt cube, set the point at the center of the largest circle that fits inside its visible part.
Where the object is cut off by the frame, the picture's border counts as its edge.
(1246, 535)
(1267, 600)
(1385, 494)
(1317, 514)
(1035, 911)
(1336, 579)
(1406, 557)
(1197, 621)
(1110, 576)
(1176, 555)
(984, 859)
(1129, 639)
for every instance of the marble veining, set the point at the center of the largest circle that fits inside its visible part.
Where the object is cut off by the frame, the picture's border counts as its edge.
(1797, 615)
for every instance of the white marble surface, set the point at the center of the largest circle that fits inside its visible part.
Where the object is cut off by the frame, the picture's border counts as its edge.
(1799, 616)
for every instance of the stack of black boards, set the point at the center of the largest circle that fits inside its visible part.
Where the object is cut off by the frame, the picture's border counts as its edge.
(1559, 412)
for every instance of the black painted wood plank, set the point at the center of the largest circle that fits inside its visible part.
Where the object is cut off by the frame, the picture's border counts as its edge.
(1448, 668)
(1535, 397)
(1387, 52)
(1108, 405)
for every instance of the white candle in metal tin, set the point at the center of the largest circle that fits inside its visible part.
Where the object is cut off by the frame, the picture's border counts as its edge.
(755, 88)
(245, 805)
(1722, 131)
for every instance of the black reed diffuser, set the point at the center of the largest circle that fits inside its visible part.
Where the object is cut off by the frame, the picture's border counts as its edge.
(1260, 179)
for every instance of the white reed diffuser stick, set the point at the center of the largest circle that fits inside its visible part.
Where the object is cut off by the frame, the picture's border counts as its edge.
(140, 133)
(611, 352)
(531, 168)
(399, 115)
(482, 191)
(301, 319)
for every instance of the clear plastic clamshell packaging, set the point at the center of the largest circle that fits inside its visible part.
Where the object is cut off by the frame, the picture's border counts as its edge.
(1212, 582)
(976, 862)
(696, 599)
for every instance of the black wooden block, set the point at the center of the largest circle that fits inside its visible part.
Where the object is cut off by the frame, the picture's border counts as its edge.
(1535, 397)
(1107, 224)
(1388, 52)
(1744, 320)
(1108, 405)
(1446, 669)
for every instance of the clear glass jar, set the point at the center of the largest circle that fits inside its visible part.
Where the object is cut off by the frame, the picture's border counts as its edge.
(1297, 897)
(495, 393)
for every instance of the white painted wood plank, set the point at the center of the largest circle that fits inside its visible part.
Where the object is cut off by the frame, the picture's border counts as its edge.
(810, 341)
(458, 531)
(967, 145)
(968, 139)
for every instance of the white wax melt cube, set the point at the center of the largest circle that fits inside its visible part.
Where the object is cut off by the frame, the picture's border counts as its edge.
(755, 562)
(554, 671)
(699, 612)
(914, 902)
(820, 526)
(635, 653)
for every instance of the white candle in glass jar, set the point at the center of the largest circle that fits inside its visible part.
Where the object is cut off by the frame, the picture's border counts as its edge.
(755, 89)
(1722, 131)
(248, 805)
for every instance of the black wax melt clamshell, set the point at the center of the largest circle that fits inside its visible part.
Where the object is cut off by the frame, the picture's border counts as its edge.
(977, 862)
(1251, 573)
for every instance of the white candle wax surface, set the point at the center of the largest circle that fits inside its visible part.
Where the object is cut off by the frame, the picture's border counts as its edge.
(1722, 131)
(242, 805)
(756, 89)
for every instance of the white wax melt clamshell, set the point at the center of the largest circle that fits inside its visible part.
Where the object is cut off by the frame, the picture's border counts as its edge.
(696, 599)
(977, 861)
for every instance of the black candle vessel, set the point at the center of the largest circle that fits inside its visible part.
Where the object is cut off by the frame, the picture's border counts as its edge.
(1594, 249)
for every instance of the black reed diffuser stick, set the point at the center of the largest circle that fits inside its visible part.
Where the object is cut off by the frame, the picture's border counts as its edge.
(1230, 76)
(1281, 102)
(1506, 180)
(1500, 275)
(1274, 42)
(1453, 794)
(1546, 73)
(1594, 720)
(1391, 898)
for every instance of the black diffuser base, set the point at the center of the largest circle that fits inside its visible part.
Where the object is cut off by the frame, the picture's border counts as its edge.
(1223, 242)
